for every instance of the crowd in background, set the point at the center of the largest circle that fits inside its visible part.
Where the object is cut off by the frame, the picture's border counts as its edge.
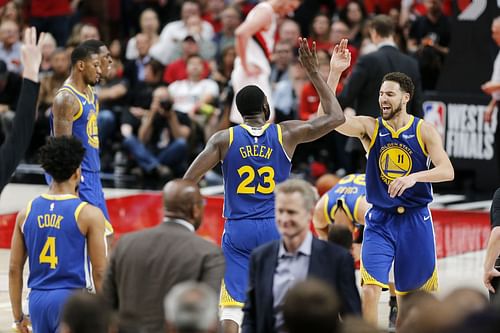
(170, 89)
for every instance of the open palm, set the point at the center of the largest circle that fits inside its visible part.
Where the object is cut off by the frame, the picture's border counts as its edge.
(341, 57)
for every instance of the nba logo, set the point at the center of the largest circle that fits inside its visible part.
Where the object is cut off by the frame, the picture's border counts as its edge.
(435, 113)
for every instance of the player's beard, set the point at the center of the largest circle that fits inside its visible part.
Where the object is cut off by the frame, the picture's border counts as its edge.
(393, 113)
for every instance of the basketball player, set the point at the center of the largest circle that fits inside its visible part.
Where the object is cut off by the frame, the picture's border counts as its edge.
(398, 186)
(345, 205)
(58, 232)
(255, 156)
(74, 112)
(254, 45)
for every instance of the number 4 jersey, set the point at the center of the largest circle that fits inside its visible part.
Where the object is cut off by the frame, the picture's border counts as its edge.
(57, 250)
(255, 162)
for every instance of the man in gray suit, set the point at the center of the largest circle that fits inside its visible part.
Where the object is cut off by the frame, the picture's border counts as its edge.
(146, 264)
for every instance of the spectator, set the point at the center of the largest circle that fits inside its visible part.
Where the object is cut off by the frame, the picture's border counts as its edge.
(212, 13)
(10, 46)
(10, 86)
(85, 313)
(174, 32)
(354, 15)
(289, 32)
(149, 26)
(191, 307)
(282, 58)
(88, 31)
(338, 31)
(12, 11)
(287, 93)
(161, 145)
(320, 33)
(277, 266)
(429, 38)
(135, 69)
(311, 306)
(53, 16)
(230, 20)
(177, 70)
(158, 258)
(48, 48)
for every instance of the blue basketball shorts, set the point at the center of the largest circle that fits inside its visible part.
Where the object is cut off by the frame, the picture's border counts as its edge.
(45, 307)
(407, 239)
(240, 237)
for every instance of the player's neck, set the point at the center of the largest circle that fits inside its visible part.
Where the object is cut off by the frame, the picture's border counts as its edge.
(78, 83)
(400, 120)
(62, 188)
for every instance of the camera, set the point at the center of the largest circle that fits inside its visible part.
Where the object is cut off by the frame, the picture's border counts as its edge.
(166, 105)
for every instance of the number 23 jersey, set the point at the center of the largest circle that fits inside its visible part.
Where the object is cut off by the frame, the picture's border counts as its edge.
(254, 163)
(57, 250)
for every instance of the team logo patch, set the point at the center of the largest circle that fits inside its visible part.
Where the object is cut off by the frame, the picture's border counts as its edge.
(394, 162)
(92, 131)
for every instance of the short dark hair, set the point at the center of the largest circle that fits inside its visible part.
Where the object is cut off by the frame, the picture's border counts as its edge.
(383, 25)
(156, 66)
(86, 313)
(340, 235)
(94, 43)
(250, 100)
(61, 156)
(311, 306)
(82, 52)
(404, 81)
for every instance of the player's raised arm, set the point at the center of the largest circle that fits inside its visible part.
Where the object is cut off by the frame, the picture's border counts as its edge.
(214, 152)
(296, 132)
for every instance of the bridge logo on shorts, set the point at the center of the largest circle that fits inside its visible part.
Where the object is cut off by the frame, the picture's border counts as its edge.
(394, 162)
(92, 131)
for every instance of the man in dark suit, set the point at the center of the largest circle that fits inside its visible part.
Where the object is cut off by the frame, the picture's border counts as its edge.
(361, 89)
(146, 264)
(277, 266)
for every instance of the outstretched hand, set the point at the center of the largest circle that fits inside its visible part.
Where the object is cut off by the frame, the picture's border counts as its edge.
(31, 53)
(341, 57)
(308, 57)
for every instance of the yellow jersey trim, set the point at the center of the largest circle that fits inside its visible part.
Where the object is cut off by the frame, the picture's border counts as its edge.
(28, 210)
(80, 94)
(430, 285)
(249, 129)
(346, 209)
(419, 137)
(226, 300)
(80, 111)
(58, 197)
(367, 279)
(231, 136)
(280, 134)
(325, 210)
(79, 209)
(395, 134)
(374, 136)
(108, 228)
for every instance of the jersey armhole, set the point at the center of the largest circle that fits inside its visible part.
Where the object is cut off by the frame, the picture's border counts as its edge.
(28, 210)
(374, 136)
(280, 139)
(79, 209)
(419, 137)
(80, 111)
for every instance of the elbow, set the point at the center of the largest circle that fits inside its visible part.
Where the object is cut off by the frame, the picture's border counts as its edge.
(450, 174)
(338, 119)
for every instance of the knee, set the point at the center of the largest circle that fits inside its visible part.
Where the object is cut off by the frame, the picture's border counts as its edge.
(370, 292)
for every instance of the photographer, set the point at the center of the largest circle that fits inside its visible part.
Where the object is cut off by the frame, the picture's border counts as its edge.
(161, 146)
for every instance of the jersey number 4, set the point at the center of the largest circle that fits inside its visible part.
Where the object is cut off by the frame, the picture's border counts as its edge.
(248, 174)
(48, 254)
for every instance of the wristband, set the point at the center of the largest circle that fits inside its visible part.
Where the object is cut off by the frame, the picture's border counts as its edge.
(17, 322)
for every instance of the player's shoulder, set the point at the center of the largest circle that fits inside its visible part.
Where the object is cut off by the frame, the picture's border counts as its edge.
(89, 213)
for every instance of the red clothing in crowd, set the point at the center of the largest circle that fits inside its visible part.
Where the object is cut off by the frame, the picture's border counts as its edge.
(309, 100)
(46, 8)
(177, 71)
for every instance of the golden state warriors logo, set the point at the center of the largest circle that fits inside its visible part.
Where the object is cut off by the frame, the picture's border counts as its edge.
(394, 162)
(92, 131)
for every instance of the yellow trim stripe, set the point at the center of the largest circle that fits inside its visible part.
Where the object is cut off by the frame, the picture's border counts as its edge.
(58, 197)
(79, 209)
(280, 134)
(226, 299)
(79, 93)
(325, 210)
(108, 228)
(430, 285)
(80, 111)
(346, 209)
(28, 210)
(367, 279)
(419, 137)
(374, 135)
(231, 135)
(395, 134)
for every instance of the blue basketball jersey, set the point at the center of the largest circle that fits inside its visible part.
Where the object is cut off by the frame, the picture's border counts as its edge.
(57, 250)
(346, 193)
(394, 154)
(255, 162)
(85, 128)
